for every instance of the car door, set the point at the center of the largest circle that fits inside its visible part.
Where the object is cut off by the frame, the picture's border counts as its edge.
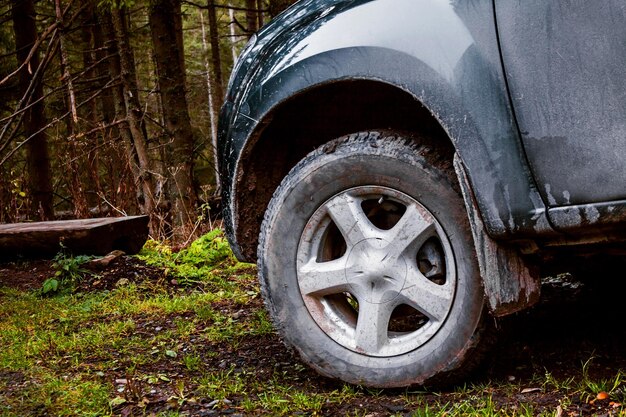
(565, 62)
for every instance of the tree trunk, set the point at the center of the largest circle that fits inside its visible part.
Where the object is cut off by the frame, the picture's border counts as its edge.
(117, 100)
(65, 70)
(101, 25)
(171, 80)
(277, 6)
(233, 33)
(89, 112)
(251, 17)
(216, 59)
(134, 112)
(259, 6)
(213, 111)
(39, 171)
(178, 25)
(73, 174)
(101, 110)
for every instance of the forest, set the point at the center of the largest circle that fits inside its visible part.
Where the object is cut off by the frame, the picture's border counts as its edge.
(110, 107)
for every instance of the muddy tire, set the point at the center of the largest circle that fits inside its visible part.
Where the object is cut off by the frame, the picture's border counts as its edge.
(367, 264)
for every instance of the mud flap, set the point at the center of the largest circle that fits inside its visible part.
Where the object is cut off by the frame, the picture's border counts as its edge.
(510, 285)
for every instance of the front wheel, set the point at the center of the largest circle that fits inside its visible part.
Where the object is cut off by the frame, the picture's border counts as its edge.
(367, 265)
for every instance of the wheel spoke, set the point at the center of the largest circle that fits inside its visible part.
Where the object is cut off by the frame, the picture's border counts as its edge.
(348, 216)
(411, 231)
(431, 299)
(372, 324)
(322, 278)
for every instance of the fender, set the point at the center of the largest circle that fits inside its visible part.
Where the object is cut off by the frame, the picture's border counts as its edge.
(454, 70)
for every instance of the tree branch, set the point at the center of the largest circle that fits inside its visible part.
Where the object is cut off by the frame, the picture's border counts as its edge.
(52, 28)
(222, 6)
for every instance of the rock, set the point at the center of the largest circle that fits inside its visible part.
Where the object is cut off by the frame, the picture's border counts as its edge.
(101, 263)
(395, 408)
(122, 282)
(530, 390)
(559, 411)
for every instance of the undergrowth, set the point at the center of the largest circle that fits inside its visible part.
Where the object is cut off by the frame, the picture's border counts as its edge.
(208, 259)
(69, 271)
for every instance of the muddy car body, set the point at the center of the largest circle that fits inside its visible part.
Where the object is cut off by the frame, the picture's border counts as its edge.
(499, 126)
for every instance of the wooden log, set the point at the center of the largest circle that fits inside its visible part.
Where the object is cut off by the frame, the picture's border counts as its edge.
(89, 237)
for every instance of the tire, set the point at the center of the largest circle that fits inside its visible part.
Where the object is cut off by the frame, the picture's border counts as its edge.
(367, 264)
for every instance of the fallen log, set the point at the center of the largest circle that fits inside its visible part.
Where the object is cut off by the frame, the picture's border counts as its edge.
(89, 236)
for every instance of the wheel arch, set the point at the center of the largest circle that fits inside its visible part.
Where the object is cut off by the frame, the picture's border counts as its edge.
(291, 130)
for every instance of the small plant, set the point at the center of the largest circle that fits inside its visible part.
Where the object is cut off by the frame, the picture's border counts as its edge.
(68, 272)
(210, 249)
(590, 388)
(261, 323)
(202, 262)
(134, 390)
(224, 384)
(556, 384)
(180, 396)
(192, 362)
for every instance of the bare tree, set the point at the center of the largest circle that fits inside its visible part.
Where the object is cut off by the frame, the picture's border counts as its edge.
(133, 111)
(213, 110)
(34, 121)
(216, 59)
(171, 79)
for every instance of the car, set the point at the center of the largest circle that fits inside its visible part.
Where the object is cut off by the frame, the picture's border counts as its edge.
(405, 171)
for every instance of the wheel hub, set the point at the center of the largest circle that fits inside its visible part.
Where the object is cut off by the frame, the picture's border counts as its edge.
(373, 273)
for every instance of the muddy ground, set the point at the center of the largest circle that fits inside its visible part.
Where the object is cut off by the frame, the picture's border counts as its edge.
(573, 323)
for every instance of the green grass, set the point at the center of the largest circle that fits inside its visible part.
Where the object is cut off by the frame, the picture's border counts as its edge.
(161, 349)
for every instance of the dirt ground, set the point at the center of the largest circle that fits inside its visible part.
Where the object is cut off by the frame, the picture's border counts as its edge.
(572, 323)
